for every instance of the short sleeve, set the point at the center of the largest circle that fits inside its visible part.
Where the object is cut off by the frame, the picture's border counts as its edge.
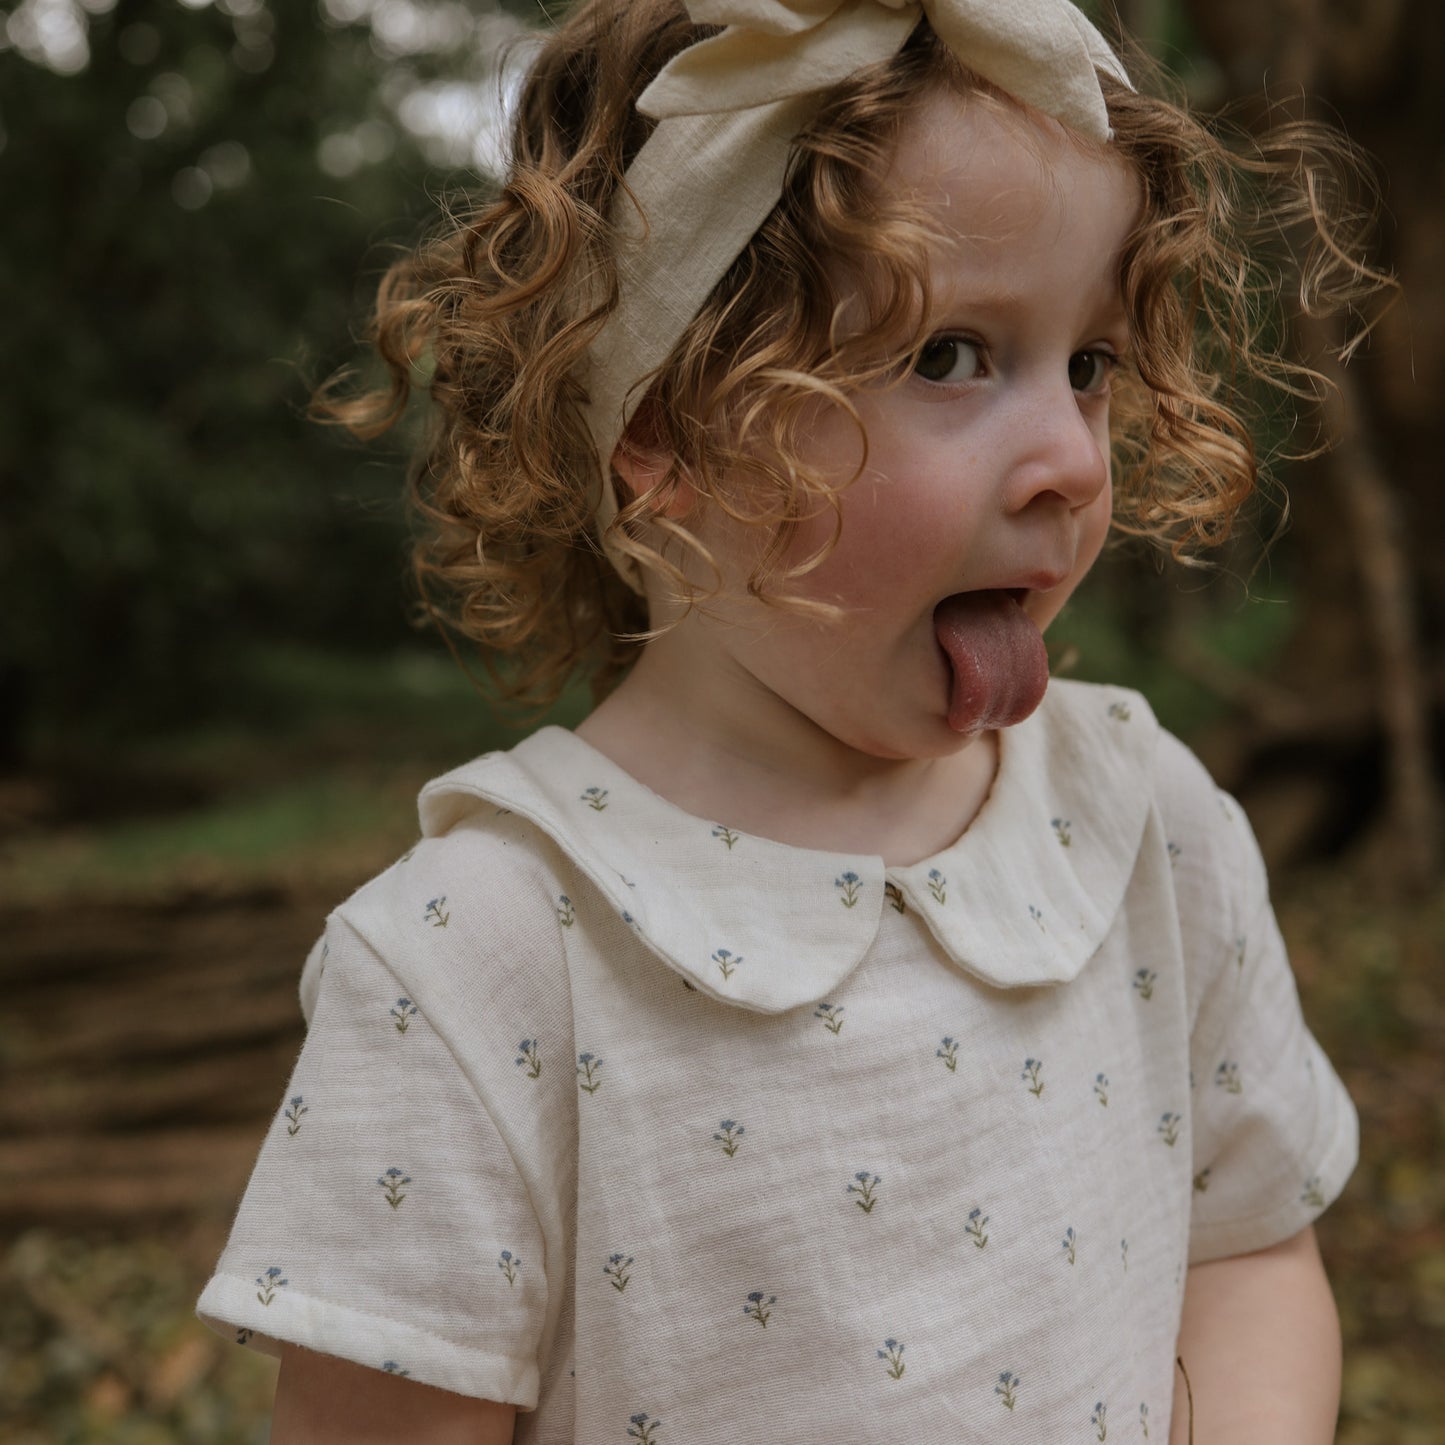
(387, 1221)
(1275, 1135)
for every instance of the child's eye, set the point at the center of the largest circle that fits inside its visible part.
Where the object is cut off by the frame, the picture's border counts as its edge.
(949, 359)
(1089, 371)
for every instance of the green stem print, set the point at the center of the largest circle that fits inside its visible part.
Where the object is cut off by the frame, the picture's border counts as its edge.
(644, 1429)
(529, 1057)
(1144, 1419)
(436, 913)
(1063, 832)
(269, 1283)
(1144, 981)
(1032, 1070)
(404, 1012)
(1071, 1244)
(595, 798)
(1099, 1421)
(587, 1066)
(731, 1137)
(566, 914)
(392, 1183)
(727, 962)
(1101, 1089)
(726, 835)
(977, 1227)
(848, 885)
(832, 1016)
(865, 1186)
(892, 1355)
(293, 1115)
(1313, 1195)
(1007, 1388)
(1169, 1126)
(509, 1264)
(938, 886)
(616, 1271)
(1124, 1253)
(760, 1308)
(1226, 1077)
(948, 1052)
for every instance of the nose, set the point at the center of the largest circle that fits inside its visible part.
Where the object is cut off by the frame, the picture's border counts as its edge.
(1062, 457)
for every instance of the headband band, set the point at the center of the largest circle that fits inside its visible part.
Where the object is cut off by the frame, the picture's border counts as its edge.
(728, 109)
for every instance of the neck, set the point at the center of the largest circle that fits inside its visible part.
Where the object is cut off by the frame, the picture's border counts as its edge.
(740, 756)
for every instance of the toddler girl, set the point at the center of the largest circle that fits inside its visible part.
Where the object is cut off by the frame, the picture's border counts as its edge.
(847, 1034)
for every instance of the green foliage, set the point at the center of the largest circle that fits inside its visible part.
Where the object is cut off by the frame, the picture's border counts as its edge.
(181, 273)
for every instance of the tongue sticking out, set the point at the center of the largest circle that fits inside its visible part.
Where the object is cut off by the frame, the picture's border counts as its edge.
(996, 654)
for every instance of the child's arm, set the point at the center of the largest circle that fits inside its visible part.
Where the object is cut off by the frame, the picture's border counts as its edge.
(1260, 1339)
(322, 1400)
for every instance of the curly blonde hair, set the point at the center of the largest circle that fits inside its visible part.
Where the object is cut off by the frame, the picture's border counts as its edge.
(503, 304)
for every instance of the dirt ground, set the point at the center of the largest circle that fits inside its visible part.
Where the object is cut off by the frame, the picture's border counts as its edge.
(145, 1046)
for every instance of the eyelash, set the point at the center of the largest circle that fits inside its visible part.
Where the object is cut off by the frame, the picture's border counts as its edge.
(1109, 357)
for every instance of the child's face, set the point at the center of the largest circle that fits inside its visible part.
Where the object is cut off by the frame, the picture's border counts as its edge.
(986, 494)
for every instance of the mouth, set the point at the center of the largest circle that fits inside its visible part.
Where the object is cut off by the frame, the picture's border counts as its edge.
(998, 668)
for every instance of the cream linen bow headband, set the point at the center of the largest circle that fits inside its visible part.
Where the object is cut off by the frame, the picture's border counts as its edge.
(728, 109)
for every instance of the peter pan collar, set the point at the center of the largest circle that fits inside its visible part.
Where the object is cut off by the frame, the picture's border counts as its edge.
(1023, 898)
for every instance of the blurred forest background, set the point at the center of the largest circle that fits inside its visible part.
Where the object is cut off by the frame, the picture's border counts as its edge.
(215, 709)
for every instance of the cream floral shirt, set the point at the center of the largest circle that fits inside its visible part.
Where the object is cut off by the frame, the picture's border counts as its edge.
(670, 1134)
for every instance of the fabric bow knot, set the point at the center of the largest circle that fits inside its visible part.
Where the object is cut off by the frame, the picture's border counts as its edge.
(1043, 52)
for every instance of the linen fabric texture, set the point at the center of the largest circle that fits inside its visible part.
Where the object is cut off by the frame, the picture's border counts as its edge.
(667, 1133)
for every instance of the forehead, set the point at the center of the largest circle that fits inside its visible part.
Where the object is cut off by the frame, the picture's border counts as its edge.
(1001, 183)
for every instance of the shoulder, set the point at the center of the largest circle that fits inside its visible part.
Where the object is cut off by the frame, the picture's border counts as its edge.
(470, 910)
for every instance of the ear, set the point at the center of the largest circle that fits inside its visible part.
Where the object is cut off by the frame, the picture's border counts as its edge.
(645, 470)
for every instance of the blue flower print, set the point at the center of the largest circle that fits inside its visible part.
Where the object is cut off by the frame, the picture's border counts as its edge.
(1175, 851)
(977, 1227)
(616, 1271)
(529, 1056)
(404, 1012)
(1007, 1388)
(892, 1355)
(1144, 980)
(948, 1052)
(1226, 1077)
(566, 914)
(727, 962)
(1144, 1419)
(1063, 831)
(269, 1283)
(1101, 1089)
(294, 1111)
(865, 1186)
(938, 886)
(1169, 1125)
(644, 1429)
(390, 1367)
(1071, 1244)
(392, 1183)
(1098, 1420)
(509, 1264)
(1036, 915)
(1124, 1253)
(1119, 711)
(760, 1308)
(848, 885)
(731, 1137)
(595, 798)
(1240, 946)
(587, 1066)
(1313, 1195)
(1032, 1070)
(726, 836)
(436, 912)
(832, 1016)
